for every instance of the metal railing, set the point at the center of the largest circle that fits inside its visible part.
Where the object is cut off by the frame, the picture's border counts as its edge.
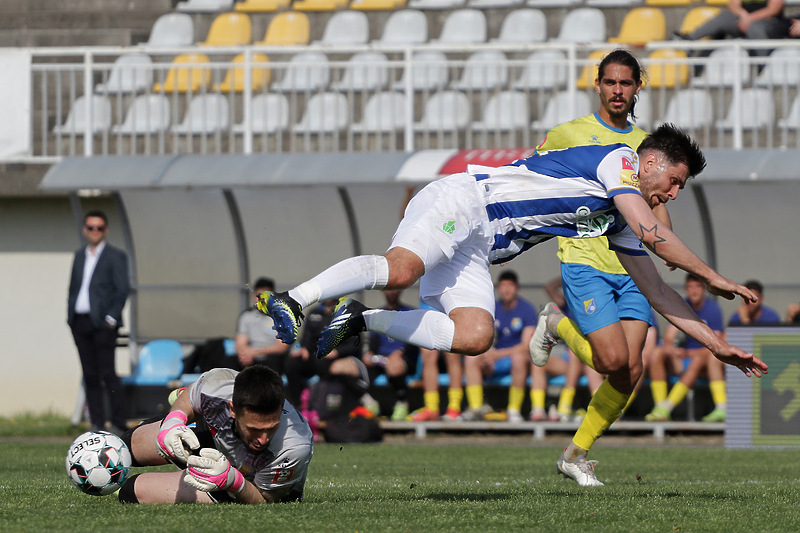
(377, 98)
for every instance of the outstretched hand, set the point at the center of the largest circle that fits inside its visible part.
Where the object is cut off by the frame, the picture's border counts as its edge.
(746, 362)
(729, 289)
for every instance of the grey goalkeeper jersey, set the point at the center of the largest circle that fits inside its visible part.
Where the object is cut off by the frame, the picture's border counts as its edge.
(280, 469)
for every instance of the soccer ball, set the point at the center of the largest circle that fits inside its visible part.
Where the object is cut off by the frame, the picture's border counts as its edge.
(98, 462)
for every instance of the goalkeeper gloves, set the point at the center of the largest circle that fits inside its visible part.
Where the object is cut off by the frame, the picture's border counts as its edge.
(212, 471)
(175, 440)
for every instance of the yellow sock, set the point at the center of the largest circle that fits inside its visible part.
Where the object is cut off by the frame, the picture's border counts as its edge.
(630, 401)
(603, 410)
(565, 400)
(538, 397)
(677, 394)
(568, 330)
(718, 393)
(432, 400)
(659, 390)
(515, 397)
(455, 395)
(475, 396)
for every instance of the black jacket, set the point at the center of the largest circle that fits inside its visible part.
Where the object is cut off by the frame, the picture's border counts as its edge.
(108, 288)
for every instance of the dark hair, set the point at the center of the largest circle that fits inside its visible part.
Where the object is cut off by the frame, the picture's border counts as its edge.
(693, 277)
(676, 145)
(264, 283)
(626, 59)
(509, 275)
(259, 389)
(754, 285)
(96, 213)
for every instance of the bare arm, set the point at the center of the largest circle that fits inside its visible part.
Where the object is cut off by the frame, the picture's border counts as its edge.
(772, 9)
(664, 243)
(661, 213)
(735, 7)
(672, 307)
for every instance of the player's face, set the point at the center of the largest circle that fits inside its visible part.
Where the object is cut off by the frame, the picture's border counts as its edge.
(695, 292)
(256, 429)
(660, 180)
(94, 229)
(507, 290)
(617, 90)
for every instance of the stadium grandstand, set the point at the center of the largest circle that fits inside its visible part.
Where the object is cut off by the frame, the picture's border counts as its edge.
(228, 140)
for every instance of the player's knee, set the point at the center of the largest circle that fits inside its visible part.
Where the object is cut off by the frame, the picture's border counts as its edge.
(477, 344)
(127, 493)
(610, 361)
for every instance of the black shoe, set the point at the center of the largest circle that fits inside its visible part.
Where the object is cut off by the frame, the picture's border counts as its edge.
(678, 36)
(348, 321)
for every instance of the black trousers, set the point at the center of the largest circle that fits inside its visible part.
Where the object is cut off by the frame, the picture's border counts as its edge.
(96, 347)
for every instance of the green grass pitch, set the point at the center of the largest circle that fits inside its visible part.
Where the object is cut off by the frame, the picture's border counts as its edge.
(501, 486)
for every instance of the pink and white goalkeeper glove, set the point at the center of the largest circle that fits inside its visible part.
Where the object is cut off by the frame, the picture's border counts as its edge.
(175, 440)
(212, 471)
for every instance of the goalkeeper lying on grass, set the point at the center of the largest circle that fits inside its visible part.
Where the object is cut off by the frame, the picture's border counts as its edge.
(248, 445)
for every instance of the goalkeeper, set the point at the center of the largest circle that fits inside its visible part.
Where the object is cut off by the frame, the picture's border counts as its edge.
(248, 445)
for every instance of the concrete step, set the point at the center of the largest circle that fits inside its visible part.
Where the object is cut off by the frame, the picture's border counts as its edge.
(37, 20)
(72, 37)
(68, 6)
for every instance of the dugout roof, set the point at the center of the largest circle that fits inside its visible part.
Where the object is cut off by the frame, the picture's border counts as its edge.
(198, 228)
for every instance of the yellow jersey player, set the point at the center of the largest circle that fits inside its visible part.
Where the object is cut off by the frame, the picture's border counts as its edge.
(600, 294)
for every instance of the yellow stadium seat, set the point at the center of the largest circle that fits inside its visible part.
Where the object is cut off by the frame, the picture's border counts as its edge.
(589, 72)
(189, 72)
(229, 29)
(696, 17)
(261, 6)
(642, 25)
(319, 5)
(286, 29)
(716, 2)
(377, 5)
(234, 79)
(668, 3)
(668, 74)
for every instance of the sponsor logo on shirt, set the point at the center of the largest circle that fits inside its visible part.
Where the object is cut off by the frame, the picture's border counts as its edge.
(628, 175)
(591, 226)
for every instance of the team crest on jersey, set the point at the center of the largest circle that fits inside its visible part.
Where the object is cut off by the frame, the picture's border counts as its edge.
(592, 226)
(282, 475)
(589, 306)
(516, 324)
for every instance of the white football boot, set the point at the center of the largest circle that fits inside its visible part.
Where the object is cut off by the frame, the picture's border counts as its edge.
(543, 339)
(581, 471)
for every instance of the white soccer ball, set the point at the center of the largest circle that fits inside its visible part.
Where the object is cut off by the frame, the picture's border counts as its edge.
(98, 462)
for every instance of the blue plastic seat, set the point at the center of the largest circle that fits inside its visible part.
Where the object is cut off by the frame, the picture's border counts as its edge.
(160, 362)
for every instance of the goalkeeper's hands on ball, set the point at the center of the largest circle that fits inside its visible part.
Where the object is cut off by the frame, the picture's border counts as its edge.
(211, 471)
(175, 440)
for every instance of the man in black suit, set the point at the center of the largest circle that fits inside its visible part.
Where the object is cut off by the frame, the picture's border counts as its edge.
(98, 290)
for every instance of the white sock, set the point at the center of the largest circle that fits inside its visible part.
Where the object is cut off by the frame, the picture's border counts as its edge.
(351, 275)
(421, 327)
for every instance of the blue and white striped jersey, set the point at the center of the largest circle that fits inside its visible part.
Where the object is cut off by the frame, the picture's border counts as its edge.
(561, 192)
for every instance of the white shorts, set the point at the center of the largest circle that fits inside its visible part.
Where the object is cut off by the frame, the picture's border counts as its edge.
(445, 225)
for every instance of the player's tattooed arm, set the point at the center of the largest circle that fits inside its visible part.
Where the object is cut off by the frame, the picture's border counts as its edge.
(650, 237)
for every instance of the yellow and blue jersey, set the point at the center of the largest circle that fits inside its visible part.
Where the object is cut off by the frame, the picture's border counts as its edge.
(586, 131)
